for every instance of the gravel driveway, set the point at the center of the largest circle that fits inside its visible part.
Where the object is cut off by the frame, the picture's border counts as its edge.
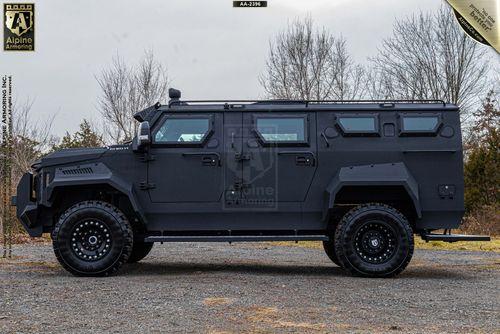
(218, 288)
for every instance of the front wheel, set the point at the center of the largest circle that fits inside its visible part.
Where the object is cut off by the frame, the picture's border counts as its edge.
(374, 240)
(92, 238)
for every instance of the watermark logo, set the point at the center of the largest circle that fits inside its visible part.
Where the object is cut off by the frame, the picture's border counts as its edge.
(251, 172)
(19, 27)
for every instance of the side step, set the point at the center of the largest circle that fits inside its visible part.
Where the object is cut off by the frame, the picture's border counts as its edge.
(233, 238)
(454, 237)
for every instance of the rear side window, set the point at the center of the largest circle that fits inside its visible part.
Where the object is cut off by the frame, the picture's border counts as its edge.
(281, 129)
(182, 130)
(420, 124)
(358, 124)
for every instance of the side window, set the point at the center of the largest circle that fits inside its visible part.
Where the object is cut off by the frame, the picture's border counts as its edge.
(179, 130)
(282, 130)
(358, 125)
(420, 124)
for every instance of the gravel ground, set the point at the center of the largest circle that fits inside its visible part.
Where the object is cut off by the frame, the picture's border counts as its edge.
(217, 288)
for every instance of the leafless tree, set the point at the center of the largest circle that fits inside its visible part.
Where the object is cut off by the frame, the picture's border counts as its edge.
(309, 64)
(31, 138)
(127, 90)
(430, 57)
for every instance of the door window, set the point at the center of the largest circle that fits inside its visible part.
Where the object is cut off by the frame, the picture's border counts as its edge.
(178, 130)
(282, 129)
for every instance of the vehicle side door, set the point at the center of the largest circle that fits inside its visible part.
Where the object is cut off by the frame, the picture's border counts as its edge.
(280, 149)
(186, 163)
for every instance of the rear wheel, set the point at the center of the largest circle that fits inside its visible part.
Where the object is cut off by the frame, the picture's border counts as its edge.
(140, 250)
(92, 238)
(374, 240)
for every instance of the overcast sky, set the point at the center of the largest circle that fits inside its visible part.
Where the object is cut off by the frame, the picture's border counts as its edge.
(211, 50)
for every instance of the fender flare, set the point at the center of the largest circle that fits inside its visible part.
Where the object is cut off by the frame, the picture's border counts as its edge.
(388, 174)
(91, 174)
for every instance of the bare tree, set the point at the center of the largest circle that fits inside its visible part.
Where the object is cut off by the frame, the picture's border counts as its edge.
(309, 64)
(127, 90)
(430, 57)
(31, 138)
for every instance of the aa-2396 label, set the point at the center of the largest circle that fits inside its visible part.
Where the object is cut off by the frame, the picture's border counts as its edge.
(250, 4)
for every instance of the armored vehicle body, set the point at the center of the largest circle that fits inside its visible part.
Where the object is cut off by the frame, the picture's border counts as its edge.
(363, 177)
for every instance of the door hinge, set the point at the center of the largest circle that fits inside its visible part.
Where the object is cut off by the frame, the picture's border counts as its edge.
(147, 157)
(146, 186)
(241, 156)
(240, 185)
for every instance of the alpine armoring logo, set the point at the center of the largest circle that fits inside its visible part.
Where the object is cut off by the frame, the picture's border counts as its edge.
(19, 27)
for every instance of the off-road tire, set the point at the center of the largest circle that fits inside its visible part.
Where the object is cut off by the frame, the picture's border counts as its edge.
(367, 226)
(140, 250)
(329, 247)
(103, 223)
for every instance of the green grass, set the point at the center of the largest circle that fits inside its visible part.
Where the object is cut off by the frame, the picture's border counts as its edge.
(488, 246)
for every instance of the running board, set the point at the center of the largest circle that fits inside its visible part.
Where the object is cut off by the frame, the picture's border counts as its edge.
(234, 238)
(454, 237)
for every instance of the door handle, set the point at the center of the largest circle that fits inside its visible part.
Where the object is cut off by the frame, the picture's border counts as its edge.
(207, 158)
(304, 161)
(302, 158)
(208, 161)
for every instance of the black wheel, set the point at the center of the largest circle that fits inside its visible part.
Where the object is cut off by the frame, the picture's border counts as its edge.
(140, 250)
(329, 247)
(92, 238)
(374, 240)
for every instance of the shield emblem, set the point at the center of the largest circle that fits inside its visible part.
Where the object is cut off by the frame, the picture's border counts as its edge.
(19, 21)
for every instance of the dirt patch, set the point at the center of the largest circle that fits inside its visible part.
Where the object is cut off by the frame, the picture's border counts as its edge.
(217, 301)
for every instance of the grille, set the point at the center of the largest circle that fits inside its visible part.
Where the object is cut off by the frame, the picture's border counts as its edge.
(77, 171)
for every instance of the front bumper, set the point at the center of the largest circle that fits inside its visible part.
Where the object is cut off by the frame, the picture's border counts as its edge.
(26, 206)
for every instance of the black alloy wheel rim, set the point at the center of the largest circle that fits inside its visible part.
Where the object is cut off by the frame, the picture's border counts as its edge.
(375, 242)
(91, 240)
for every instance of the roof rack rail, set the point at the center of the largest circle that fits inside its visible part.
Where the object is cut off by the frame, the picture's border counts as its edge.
(306, 102)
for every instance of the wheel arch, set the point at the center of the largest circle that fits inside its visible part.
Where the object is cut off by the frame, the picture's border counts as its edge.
(66, 189)
(389, 183)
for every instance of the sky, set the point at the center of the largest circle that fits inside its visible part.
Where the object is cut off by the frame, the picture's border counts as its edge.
(211, 49)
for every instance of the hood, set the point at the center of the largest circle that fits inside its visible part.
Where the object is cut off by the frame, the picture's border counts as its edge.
(71, 155)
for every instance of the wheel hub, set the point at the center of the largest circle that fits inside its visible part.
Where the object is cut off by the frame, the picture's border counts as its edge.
(90, 240)
(375, 242)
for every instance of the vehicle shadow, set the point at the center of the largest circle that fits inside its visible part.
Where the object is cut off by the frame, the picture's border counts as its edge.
(187, 268)
(183, 268)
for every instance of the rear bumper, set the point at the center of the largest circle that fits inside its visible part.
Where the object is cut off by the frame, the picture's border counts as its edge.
(26, 207)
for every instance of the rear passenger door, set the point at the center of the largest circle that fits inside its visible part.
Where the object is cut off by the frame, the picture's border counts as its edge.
(279, 157)
(186, 164)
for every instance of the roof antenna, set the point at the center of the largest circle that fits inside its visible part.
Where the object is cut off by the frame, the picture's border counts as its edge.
(174, 94)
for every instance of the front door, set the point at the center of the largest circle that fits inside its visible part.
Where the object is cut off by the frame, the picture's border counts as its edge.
(278, 159)
(186, 158)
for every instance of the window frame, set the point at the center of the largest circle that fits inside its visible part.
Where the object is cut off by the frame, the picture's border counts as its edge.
(280, 143)
(433, 132)
(199, 143)
(358, 133)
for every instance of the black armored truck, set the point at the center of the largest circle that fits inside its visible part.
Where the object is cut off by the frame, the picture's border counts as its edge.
(363, 177)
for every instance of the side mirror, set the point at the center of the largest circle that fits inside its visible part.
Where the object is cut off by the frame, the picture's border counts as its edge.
(143, 135)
